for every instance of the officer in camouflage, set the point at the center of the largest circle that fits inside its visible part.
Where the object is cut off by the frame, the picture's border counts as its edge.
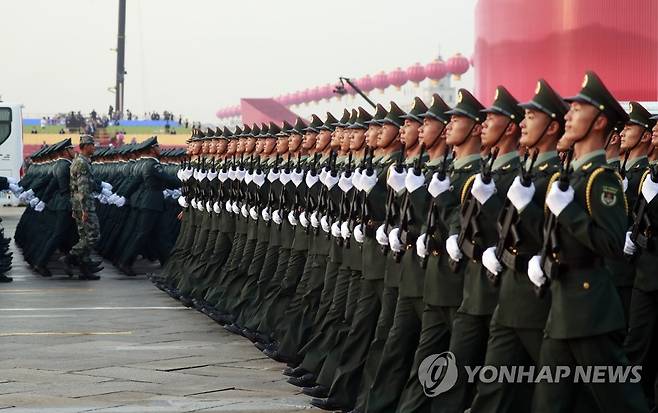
(83, 205)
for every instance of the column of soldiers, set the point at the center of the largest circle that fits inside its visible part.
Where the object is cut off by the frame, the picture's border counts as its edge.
(120, 201)
(354, 249)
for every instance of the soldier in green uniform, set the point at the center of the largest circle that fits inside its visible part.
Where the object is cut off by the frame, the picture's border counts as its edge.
(586, 315)
(642, 340)
(426, 238)
(635, 142)
(518, 321)
(84, 208)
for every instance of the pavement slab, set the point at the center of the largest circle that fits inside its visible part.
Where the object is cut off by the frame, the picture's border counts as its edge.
(121, 345)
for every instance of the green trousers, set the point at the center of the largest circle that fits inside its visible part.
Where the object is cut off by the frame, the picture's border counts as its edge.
(641, 343)
(601, 350)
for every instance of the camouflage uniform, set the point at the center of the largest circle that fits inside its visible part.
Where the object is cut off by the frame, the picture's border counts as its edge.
(82, 182)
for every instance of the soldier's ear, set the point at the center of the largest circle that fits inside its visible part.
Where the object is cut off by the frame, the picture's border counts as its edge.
(646, 136)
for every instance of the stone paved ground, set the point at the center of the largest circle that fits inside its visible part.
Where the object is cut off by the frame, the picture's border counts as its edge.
(121, 345)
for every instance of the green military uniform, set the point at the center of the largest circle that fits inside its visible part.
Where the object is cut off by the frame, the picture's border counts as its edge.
(518, 321)
(586, 314)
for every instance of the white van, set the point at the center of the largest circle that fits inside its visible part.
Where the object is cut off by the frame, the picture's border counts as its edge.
(11, 145)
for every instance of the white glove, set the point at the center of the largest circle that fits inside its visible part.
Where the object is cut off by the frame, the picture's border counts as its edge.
(12, 180)
(330, 181)
(222, 176)
(232, 173)
(292, 219)
(181, 201)
(284, 177)
(311, 179)
(106, 185)
(228, 207)
(265, 213)
(629, 245)
(335, 229)
(649, 189)
(520, 195)
(421, 249)
(248, 176)
(490, 261)
(323, 174)
(324, 221)
(165, 193)
(381, 236)
(112, 199)
(303, 220)
(26, 196)
(106, 192)
(356, 179)
(202, 175)
(315, 222)
(358, 234)
(259, 179)
(345, 182)
(481, 191)
(253, 213)
(396, 179)
(437, 186)
(193, 202)
(235, 208)
(34, 201)
(394, 240)
(199, 205)
(276, 217)
(624, 183)
(535, 273)
(244, 211)
(557, 199)
(176, 193)
(453, 248)
(273, 176)
(15, 188)
(413, 181)
(297, 177)
(180, 175)
(39, 206)
(240, 174)
(208, 206)
(345, 230)
(368, 182)
(216, 208)
(212, 175)
(122, 201)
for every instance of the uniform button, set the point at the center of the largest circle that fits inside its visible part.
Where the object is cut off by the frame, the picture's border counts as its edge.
(586, 285)
(435, 253)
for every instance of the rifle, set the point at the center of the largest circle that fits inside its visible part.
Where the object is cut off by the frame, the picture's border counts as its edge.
(308, 204)
(507, 227)
(470, 210)
(550, 249)
(431, 214)
(344, 204)
(367, 166)
(329, 206)
(270, 193)
(282, 194)
(641, 229)
(406, 216)
(622, 167)
(390, 199)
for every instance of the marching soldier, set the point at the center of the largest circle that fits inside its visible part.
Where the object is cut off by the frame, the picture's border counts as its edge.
(586, 314)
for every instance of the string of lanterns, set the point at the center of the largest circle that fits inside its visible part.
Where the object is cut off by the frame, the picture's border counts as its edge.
(436, 70)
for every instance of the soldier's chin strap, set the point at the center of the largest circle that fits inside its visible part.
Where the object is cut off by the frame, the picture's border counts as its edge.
(469, 132)
(591, 125)
(509, 122)
(543, 132)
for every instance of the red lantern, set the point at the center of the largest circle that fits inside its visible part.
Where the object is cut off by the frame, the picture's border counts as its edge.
(219, 113)
(316, 94)
(380, 81)
(457, 65)
(436, 70)
(416, 73)
(366, 83)
(397, 77)
(327, 91)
